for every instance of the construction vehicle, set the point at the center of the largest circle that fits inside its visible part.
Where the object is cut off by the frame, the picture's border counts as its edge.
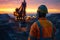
(20, 12)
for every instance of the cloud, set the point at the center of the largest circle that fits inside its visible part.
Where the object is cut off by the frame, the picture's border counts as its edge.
(32, 4)
(9, 1)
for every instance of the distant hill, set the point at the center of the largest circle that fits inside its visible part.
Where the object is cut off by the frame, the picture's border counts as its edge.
(55, 19)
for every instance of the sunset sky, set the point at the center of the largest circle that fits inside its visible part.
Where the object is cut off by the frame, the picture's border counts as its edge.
(8, 6)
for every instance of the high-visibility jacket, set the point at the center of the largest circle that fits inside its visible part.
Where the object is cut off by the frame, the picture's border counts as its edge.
(46, 30)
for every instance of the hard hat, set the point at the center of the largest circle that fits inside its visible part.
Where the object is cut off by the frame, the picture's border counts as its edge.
(42, 9)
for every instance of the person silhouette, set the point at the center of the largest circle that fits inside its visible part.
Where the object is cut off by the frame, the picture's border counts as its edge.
(42, 29)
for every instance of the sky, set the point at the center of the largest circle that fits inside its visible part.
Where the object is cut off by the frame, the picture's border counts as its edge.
(9, 6)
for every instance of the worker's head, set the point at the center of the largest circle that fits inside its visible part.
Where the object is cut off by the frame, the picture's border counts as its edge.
(42, 11)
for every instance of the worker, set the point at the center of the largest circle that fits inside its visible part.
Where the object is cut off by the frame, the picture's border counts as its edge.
(42, 29)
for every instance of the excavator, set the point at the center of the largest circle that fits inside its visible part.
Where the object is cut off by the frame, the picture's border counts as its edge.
(20, 12)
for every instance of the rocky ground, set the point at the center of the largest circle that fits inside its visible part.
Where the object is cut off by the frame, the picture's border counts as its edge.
(17, 30)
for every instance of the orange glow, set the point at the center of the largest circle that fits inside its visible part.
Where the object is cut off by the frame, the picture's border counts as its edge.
(11, 10)
(28, 10)
(54, 10)
(31, 10)
(7, 6)
(7, 10)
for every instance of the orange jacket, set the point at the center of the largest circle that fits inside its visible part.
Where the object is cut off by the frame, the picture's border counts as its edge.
(35, 31)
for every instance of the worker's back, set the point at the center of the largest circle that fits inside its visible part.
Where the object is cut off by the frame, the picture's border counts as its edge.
(47, 29)
(42, 29)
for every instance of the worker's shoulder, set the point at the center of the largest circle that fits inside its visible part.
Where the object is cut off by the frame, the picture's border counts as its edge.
(34, 25)
(46, 22)
(49, 22)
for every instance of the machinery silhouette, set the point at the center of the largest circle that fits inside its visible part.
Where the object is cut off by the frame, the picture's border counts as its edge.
(20, 12)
